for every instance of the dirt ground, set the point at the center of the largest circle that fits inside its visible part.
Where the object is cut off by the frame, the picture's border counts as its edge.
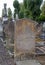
(41, 59)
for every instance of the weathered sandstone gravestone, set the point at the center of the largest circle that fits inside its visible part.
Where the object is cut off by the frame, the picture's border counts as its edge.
(24, 36)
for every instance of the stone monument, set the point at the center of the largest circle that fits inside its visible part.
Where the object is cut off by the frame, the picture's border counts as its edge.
(5, 18)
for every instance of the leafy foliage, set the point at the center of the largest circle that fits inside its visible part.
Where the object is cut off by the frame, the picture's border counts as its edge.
(21, 14)
(16, 6)
(9, 14)
(33, 6)
(42, 16)
(28, 9)
(43, 8)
